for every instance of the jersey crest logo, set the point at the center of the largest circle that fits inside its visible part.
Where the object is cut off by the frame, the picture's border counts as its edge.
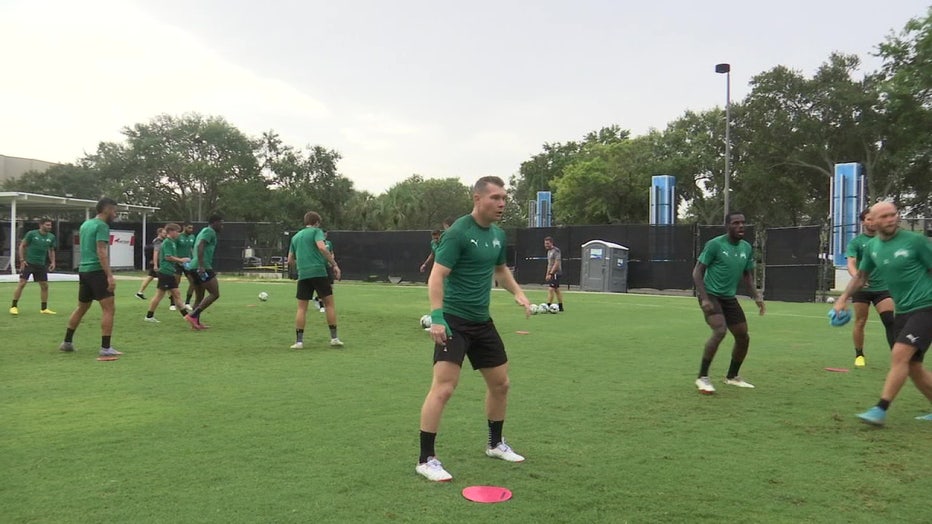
(901, 253)
(496, 243)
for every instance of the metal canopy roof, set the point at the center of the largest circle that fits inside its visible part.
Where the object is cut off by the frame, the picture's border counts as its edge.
(36, 202)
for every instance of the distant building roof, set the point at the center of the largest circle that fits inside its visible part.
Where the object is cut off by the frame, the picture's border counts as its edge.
(14, 166)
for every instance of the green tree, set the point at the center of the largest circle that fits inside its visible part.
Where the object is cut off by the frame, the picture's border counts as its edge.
(419, 203)
(76, 180)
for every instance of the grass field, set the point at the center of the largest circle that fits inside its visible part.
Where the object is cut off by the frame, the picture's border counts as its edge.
(229, 425)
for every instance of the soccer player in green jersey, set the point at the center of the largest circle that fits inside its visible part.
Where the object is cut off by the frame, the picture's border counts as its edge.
(95, 279)
(308, 250)
(434, 242)
(904, 260)
(185, 249)
(471, 252)
(875, 292)
(725, 261)
(168, 261)
(36, 258)
(202, 268)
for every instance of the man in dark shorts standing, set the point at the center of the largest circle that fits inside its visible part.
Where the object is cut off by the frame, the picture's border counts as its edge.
(554, 272)
(471, 252)
(904, 260)
(309, 252)
(151, 252)
(875, 292)
(36, 258)
(168, 262)
(185, 249)
(725, 261)
(202, 266)
(95, 279)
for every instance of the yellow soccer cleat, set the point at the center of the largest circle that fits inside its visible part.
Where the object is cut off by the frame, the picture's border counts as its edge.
(47, 311)
(14, 310)
(859, 362)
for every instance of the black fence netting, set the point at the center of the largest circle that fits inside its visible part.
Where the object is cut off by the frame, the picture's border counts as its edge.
(792, 263)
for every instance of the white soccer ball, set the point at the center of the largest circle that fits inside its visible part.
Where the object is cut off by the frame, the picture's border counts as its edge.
(830, 300)
(543, 307)
(263, 296)
(534, 309)
(554, 308)
(425, 322)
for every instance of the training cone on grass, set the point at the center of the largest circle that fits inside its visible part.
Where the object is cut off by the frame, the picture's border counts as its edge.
(487, 494)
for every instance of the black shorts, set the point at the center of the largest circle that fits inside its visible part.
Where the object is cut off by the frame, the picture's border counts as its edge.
(307, 287)
(915, 329)
(330, 275)
(727, 306)
(477, 340)
(93, 286)
(870, 297)
(153, 273)
(167, 282)
(39, 272)
(554, 282)
(179, 269)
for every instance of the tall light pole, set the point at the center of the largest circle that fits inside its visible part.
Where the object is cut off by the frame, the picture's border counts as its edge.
(726, 70)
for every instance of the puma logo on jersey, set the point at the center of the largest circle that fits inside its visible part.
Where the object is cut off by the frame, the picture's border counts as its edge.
(474, 242)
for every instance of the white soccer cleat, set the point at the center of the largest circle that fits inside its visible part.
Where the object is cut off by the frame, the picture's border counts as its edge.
(503, 451)
(151, 320)
(433, 470)
(172, 308)
(336, 342)
(297, 345)
(739, 382)
(323, 309)
(705, 385)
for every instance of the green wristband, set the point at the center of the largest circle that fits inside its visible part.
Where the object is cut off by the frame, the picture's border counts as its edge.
(436, 317)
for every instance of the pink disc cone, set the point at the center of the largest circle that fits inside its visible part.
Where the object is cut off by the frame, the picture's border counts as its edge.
(487, 494)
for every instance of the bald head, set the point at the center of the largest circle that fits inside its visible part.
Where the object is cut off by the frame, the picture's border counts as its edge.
(884, 219)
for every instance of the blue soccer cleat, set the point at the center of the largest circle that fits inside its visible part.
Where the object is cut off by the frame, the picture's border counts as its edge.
(925, 417)
(874, 416)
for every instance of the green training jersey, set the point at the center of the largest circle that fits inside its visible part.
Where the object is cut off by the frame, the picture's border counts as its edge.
(185, 245)
(903, 262)
(471, 252)
(209, 237)
(310, 261)
(169, 249)
(856, 249)
(434, 244)
(725, 265)
(92, 231)
(38, 246)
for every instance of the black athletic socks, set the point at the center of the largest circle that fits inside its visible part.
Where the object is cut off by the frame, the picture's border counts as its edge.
(45, 305)
(704, 367)
(733, 368)
(105, 342)
(299, 335)
(69, 335)
(561, 306)
(427, 446)
(884, 404)
(150, 314)
(858, 352)
(495, 432)
(14, 303)
(333, 330)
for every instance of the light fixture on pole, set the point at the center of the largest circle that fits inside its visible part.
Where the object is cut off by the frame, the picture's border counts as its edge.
(726, 70)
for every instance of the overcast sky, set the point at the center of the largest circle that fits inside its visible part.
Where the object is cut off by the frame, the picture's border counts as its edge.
(436, 88)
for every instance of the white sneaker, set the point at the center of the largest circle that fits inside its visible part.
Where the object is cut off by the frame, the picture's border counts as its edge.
(187, 307)
(336, 342)
(503, 451)
(433, 470)
(297, 345)
(323, 309)
(738, 381)
(705, 385)
(151, 320)
(172, 308)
